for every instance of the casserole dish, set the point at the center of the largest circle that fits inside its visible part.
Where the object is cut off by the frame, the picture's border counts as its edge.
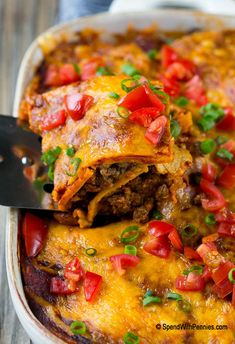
(167, 20)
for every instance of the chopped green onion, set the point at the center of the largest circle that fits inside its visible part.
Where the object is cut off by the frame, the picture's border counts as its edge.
(221, 139)
(173, 296)
(114, 95)
(210, 219)
(50, 172)
(51, 156)
(76, 162)
(134, 233)
(129, 69)
(224, 154)
(206, 123)
(148, 293)
(214, 111)
(207, 146)
(78, 327)
(103, 71)
(175, 128)
(152, 53)
(123, 112)
(70, 151)
(131, 82)
(230, 276)
(77, 68)
(91, 251)
(130, 249)
(189, 230)
(151, 299)
(130, 338)
(195, 268)
(184, 305)
(157, 215)
(182, 101)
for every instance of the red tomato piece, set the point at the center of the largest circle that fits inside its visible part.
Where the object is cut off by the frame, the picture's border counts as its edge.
(168, 56)
(194, 90)
(54, 120)
(73, 270)
(171, 87)
(63, 287)
(221, 273)
(68, 74)
(175, 240)
(209, 172)
(159, 228)
(141, 97)
(77, 105)
(122, 261)
(192, 282)
(156, 130)
(92, 285)
(228, 122)
(205, 249)
(227, 177)
(34, 233)
(158, 247)
(217, 201)
(181, 70)
(233, 297)
(225, 215)
(190, 253)
(144, 116)
(206, 274)
(223, 289)
(226, 229)
(89, 69)
(52, 77)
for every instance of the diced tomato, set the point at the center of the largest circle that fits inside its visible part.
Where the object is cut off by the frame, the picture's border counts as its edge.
(89, 69)
(158, 247)
(190, 253)
(68, 74)
(217, 201)
(77, 105)
(52, 77)
(225, 215)
(192, 282)
(227, 177)
(181, 70)
(156, 130)
(159, 228)
(233, 297)
(54, 120)
(221, 273)
(92, 285)
(209, 172)
(122, 261)
(226, 229)
(171, 87)
(230, 146)
(223, 289)
(34, 233)
(73, 270)
(144, 116)
(168, 56)
(228, 121)
(205, 249)
(175, 240)
(141, 97)
(206, 276)
(194, 90)
(63, 287)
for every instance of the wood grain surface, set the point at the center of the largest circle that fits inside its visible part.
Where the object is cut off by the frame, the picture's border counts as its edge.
(20, 22)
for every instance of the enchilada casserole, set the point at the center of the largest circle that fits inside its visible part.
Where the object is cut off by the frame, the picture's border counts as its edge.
(138, 138)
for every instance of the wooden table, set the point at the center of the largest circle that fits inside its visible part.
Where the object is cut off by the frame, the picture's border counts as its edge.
(20, 22)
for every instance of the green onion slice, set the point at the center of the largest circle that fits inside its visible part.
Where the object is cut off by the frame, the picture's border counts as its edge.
(195, 268)
(230, 276)
(207, 146)
(78, 327)
(131, 338)
(129, 69)
(114, 95)
(175, 128)
(214, 111)
(77, 68)
(184, 305)
(157, 215)
(130, 234)
(221, 139)
(189, 230)
(103, 71)
(76, 162)
(173, 296)
(51, 172)
(151, 299)
(130, 249)
(70, 151)
(91, 251)
(152, 53)
(129, 84)
(182, 101)
(123, 112)
(210, 219)
(51, 156)
(148, 293)
(224, 154)
(206, 123)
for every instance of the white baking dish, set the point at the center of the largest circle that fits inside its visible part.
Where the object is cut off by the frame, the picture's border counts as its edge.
(115, 22)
